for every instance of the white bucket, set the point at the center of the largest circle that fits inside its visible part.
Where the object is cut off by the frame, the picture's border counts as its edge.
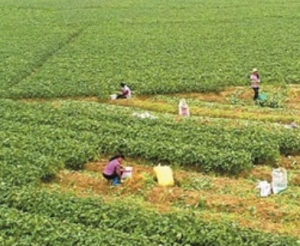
(127, 172)
(113, 97)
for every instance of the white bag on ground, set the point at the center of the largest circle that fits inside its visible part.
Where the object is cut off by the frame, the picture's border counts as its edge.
(144, 115)
(183, 108)
(279, 180)
(265, 188)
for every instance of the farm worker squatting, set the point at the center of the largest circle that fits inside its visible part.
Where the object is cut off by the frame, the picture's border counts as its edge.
(113, 169)
(125, 93)
(255, 82)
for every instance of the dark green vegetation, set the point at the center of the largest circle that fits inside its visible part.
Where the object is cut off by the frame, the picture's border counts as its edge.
(90, 221)
(72, 48)
(71, 133)
(67, 48)
(41, 138)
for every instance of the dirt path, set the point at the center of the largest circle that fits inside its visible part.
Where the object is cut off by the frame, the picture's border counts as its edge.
(221, 198)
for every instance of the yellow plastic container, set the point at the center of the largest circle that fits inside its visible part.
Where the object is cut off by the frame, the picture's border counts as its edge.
(164, 175)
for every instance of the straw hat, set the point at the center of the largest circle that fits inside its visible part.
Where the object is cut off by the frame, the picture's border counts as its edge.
(254, 70)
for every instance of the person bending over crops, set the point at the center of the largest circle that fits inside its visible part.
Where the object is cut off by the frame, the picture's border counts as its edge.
(125, 92)
(113, 169)
(255, 82)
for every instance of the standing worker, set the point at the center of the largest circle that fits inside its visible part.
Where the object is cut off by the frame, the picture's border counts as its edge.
(125, 93)
(113, 169)
(255, 82)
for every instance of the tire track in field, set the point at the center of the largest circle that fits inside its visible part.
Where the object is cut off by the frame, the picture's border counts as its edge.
(46, 56)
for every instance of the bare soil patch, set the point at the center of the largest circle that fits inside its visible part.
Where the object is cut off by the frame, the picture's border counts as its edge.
(236, 198)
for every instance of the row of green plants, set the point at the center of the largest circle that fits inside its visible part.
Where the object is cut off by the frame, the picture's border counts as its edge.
(66, 215)
(23, 229)
(74, 141)
(76, 132)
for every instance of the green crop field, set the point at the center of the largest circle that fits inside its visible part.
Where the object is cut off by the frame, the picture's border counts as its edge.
(60, 61)
(80, 48)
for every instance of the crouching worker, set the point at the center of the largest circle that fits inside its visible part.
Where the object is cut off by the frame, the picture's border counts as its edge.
(113, 169)
(125, 92)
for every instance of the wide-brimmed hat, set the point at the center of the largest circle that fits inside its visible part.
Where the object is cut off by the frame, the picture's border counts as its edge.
(254, 70)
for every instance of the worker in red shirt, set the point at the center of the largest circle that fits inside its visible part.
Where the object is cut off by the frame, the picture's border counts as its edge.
(125, 93)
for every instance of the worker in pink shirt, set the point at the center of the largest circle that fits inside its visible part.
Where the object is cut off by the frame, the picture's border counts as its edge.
(113, 169)
(125, 92)
(255, 82)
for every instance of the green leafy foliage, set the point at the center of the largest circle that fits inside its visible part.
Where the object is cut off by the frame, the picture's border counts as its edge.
(61, 51)
(87, 217)
(75, 133)
(23, 228)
